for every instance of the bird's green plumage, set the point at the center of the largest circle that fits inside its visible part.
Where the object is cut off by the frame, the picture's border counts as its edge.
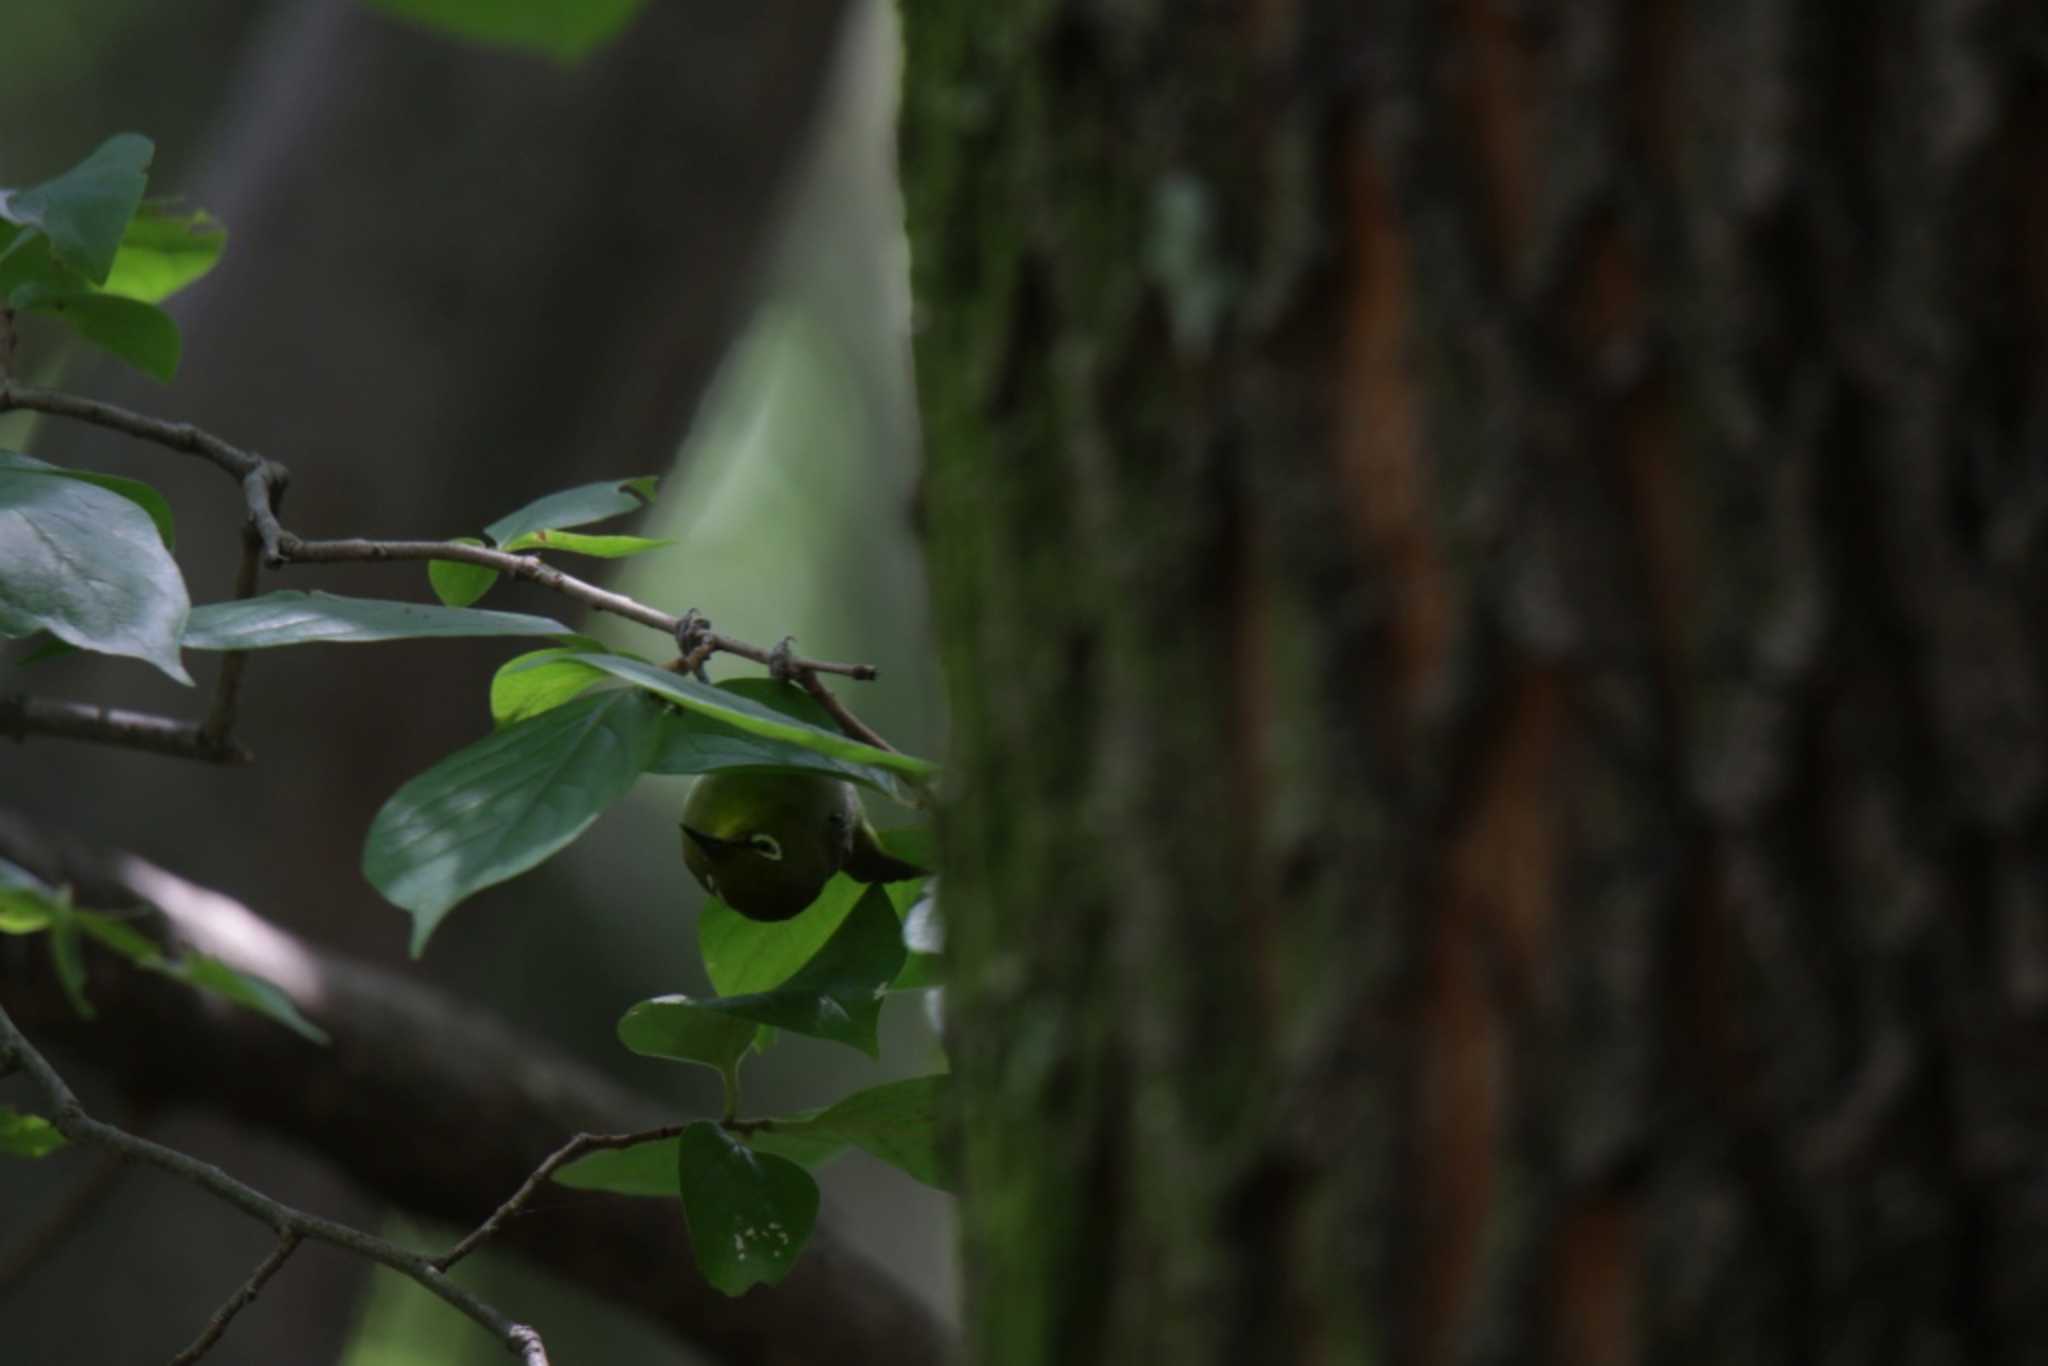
(767, 843)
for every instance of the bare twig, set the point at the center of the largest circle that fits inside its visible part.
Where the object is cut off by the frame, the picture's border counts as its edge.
(559, 1158)
(808, 680)
(21, 717)
(287, 1244)
(227, 687)
(74, 1123)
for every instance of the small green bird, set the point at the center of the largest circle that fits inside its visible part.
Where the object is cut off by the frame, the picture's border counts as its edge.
(767, 843)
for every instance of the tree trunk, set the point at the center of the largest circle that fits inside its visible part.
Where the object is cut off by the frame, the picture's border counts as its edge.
(1491, 561)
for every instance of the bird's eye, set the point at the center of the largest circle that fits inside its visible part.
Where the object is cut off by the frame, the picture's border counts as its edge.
(766, 846)
(837, 820)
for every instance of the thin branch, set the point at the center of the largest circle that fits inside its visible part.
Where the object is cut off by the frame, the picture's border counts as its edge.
(74, 1123)
(562, 1157)
(559, 1158)
(808, 680)
(263, 484)
(21, 717)
(535, 570)
(287, 1244)
(227, 687)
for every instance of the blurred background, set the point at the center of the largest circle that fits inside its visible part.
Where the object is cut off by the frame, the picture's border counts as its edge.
(458, 278)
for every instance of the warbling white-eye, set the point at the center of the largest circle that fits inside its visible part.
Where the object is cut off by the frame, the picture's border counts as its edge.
(767, 843)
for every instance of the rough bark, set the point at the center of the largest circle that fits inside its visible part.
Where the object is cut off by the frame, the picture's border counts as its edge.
(1491, 561)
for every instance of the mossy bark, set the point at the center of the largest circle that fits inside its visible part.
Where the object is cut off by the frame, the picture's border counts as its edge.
(1492, 564)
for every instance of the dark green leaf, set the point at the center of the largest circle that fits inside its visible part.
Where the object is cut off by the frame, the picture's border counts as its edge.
(837, 995)
(643, 1169)
(497, 808)
(121, 937)
(743, 955)
(750, 1213)
(87, 565)
(566, 30)
(162, 252)
(800, 1145)
(134, 490)
(576, 543)
(27, 1135)
(67, 957)
(579, 506)
(84, 211)
(290, 617)
(456, 583)
(756, 719)
(541, 680)
(896, 1122)
(684, 1030)
(139, 333)
(692, 742)
(251, 993)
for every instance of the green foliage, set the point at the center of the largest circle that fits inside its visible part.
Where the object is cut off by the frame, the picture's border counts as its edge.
(539, 526)
(89, 566)
(84, 248)
(540, 680)
(134, 490)
(23, 1135)
(289, 617)
(750, 1213)
(84, 212)
(497, 808)
(743, 714)
(566, 30)
(897, 1122)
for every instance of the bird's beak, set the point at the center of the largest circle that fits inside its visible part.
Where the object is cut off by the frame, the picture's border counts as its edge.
(710, 844)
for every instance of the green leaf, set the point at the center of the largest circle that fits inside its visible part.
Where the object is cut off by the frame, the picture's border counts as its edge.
(576, 543)
(566, 30)
(743, 955)
(837, 995)
(139, 333)
(456, 583)
(692, 742)
(756, 719)
(497, 808)
(289, 617)
(541, 680)
(163, 251)
(27, 904)
(85, 211)
(87, 565)
(580, 506)
(896, 1122)
(750, 1213)
(644, 1169)
(134, 490)
(684, 1030)
(251, 993)
(23, 1135)
(68, 958)
(800, 1145)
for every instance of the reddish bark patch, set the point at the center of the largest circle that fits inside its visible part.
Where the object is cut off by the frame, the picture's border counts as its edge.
(1497, 916)
(1379, 454)
(1597, 1261)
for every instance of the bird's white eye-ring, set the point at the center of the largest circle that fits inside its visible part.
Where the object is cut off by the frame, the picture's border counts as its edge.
(766, 846)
